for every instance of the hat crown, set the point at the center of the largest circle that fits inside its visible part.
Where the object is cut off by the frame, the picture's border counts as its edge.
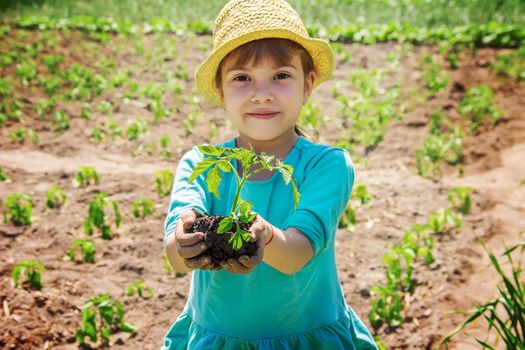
(239, 17)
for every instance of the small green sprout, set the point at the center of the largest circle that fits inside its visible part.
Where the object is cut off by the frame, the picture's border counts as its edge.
(97, 215)
(56, 197)
(144, 291)
(143, 207)
(87, 248)
(85, 176)
(32, 270)
(111, 319)
(19, 209)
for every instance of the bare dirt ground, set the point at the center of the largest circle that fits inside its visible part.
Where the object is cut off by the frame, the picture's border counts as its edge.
(458, 279)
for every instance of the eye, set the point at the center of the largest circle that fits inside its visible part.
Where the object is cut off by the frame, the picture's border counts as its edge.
(283, 74)
(240, 76)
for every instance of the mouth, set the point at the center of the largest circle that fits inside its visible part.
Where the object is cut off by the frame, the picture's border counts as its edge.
(263, 116)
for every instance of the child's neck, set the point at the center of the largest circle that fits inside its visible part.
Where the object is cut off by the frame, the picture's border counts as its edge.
(279, 147)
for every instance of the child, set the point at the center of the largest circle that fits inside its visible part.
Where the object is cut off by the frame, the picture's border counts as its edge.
(288, 296)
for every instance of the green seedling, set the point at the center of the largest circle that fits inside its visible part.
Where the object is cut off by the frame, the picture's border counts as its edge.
(120, 78)
(14, 112)
(444, 221)
(105, 107)
(398, 262)
(7, 58)
(348, 218)
(165, 150)
(144, 148)
(44, 107)
(97, 215)
(190, 121)
(19, 209)
(341, 51)
(110, 319)
(3, 177)
(20, 134)
(113, 128)
(32, 270)
(60, 121)
(158, 109)
(56, 197)
(51, 85)
(428, 157)
(505, 314)
(459, 199)
(52, 62)
(85, 176)
(420, 240)
(143, 207)
(181, 71)
(221, 159)
(136, 129)
(144, 291)
(5, 88)
(87, 248)
(436, 120)
(97, 134)
(511, 64)
(85, 111)
(436, 79)
(164, 182)
(310, 116)
(454, 145)
(477, 105)
(167, 264)
(362, 194)
(387, 307)
(26, 71)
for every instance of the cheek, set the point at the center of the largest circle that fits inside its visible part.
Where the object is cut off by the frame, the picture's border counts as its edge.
(289, 92)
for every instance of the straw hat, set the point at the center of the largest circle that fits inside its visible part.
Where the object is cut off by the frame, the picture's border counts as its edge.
(242, 21)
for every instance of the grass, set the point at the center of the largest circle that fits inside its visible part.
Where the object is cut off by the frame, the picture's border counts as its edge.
(427, 13)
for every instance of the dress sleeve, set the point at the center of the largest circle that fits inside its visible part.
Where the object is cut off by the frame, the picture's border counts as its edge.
(324, 195)
(184, 195)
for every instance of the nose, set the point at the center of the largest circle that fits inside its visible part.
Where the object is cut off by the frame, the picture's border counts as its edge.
(262, 94)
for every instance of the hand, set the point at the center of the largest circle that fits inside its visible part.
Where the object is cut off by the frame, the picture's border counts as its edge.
(190, 245)
(259, 232)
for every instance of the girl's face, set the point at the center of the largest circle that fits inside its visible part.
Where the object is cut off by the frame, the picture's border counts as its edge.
(263, 102)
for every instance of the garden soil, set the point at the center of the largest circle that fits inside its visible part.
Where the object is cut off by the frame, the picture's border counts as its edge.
(459, 278)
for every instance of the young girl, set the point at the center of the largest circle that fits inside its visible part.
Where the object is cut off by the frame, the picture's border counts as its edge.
(288, 296)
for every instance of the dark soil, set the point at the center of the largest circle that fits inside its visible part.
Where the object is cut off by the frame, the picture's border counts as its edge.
(218, 247)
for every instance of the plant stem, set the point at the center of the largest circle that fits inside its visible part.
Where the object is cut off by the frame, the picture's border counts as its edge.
(237, 194)
(245, 177)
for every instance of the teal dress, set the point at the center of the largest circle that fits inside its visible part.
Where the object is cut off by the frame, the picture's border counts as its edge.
(268, 309)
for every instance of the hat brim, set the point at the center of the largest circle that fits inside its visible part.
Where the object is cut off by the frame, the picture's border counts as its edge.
(321, 52)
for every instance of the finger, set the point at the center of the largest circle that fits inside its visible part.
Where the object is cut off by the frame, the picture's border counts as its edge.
(257, 230)
(188, 219)
(254, 260)
(185, 238)
(191, 251)
(197, 263)
(212, 267)
(189, 239)
(234, 266)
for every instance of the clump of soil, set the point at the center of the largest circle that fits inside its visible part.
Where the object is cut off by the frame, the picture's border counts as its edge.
(218, 247)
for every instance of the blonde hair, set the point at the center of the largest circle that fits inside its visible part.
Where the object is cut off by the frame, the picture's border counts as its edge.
(279, 50)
